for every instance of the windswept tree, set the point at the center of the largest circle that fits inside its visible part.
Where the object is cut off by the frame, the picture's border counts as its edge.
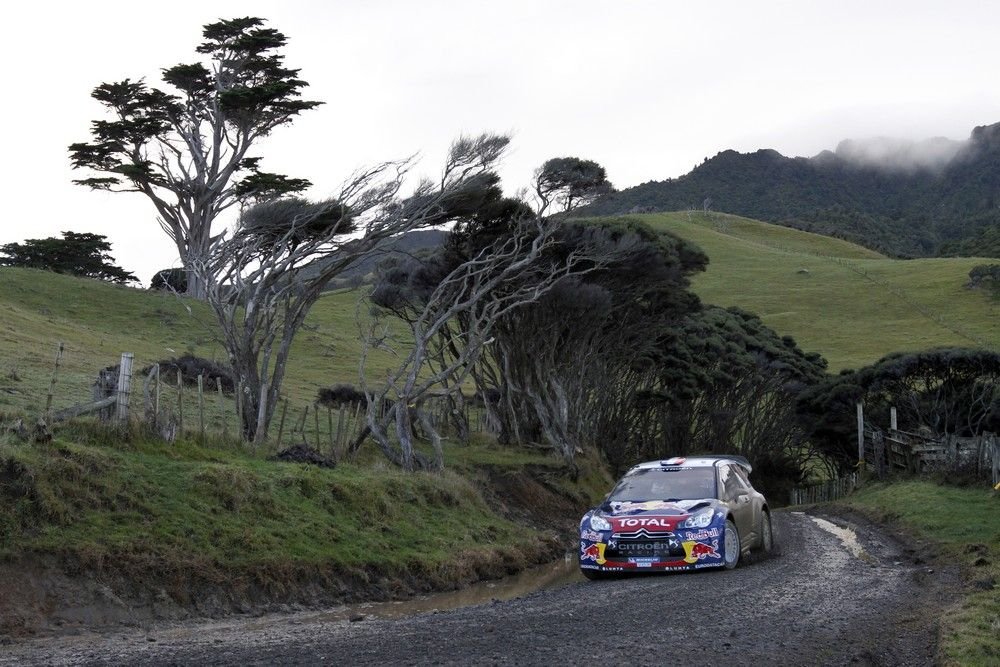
(77, 254)
(567, 183)
(187, 148)
(503, 259)
(943, 390)
(454, 318)
(262, 280)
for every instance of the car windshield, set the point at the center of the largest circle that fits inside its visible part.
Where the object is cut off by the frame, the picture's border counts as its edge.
(666, 484)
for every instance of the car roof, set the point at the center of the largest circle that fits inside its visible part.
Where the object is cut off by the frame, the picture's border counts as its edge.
(695, 462)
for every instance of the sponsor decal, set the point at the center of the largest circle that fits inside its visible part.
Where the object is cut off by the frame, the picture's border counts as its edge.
(663, 523)
(695, 551)
(658, 547)
(591, 535)
(702, 535)
(585, 566)
(699, 566)
(593, 552)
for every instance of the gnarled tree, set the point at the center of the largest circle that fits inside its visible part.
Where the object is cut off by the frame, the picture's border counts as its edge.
(262, 280)
(187, 150)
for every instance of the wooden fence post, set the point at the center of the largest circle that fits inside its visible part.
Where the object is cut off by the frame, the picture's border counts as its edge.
(316, 423)
(861, 432)
(356, 426)
(329, 428)
(180, 403)
(340, 425)
(281, 422)
(201, 407)
(124, 386)
(52, 383)
(301, 426)
(156, 399)
(222, 408)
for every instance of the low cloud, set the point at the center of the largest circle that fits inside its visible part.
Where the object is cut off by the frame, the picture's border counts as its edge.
(892, 154)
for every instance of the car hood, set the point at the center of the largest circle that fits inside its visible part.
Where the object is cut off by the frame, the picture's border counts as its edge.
(655, 507)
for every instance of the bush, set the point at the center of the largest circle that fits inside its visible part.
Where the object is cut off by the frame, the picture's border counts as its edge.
(173, 280)
(190, 367)
(340, 395)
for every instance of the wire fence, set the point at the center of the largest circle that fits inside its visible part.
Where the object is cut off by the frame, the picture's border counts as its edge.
(205, 407)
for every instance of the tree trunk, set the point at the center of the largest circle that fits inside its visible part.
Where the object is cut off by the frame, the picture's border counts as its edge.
(404, 431)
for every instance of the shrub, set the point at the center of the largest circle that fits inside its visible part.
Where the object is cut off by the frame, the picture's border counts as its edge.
(340, 395)
(190, 367)
(174, 280)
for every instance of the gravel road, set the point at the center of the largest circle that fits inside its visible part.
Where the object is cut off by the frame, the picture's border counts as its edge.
(825, 599)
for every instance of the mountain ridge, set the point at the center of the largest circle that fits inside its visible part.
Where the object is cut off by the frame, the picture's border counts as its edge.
(903, 198)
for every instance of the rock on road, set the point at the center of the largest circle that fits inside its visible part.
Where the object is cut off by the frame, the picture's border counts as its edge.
(820, 601)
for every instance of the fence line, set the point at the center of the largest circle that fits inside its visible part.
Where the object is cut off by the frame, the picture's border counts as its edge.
(832, 489)
(179, 410)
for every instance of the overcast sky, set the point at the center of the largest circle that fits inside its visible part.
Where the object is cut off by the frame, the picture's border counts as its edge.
(646, 88)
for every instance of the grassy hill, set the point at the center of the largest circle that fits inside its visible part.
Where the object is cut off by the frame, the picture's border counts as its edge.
(97, 322)
(847, 302)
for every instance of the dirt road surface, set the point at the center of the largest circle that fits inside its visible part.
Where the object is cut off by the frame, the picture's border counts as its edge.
(830, 597)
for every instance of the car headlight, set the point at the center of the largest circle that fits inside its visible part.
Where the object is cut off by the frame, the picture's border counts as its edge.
(700, 520)
(599, 523)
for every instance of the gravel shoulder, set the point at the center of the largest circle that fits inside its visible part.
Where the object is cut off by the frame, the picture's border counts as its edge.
(829, 597)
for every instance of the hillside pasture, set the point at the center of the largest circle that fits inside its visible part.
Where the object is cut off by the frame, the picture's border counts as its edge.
(846, 302)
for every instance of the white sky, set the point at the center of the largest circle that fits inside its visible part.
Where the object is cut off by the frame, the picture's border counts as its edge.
(646, 88)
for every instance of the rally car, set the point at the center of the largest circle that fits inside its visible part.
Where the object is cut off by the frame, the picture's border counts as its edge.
(676, 514)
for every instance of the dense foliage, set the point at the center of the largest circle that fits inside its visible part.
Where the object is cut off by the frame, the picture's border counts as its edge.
(169, 280)
(952, 209)
(77, 254)
(623, 358)
(724, 382)
(940, 391)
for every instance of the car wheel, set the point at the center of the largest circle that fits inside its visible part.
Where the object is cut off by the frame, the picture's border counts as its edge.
(731, 546)
(766, 533)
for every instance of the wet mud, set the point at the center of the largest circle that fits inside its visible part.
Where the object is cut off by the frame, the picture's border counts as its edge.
(819, 601)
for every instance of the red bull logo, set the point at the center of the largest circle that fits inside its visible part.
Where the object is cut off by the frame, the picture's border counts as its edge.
(593, 552)
(695, 551)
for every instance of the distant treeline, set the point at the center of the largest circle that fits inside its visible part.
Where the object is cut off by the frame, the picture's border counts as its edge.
(952, 209)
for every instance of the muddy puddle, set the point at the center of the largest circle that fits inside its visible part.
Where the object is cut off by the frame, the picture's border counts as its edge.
(553, 575)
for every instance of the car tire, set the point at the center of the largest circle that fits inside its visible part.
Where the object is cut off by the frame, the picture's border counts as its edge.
(731, 546)
(766, 533)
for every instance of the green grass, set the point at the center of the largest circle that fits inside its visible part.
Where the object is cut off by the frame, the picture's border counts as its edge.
(96, 322)
(216, 508)
(812, 287)
(964, 524)
(851, 305)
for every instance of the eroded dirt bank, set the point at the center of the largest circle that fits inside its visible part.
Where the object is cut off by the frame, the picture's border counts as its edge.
(52, 595)
(821, 601)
